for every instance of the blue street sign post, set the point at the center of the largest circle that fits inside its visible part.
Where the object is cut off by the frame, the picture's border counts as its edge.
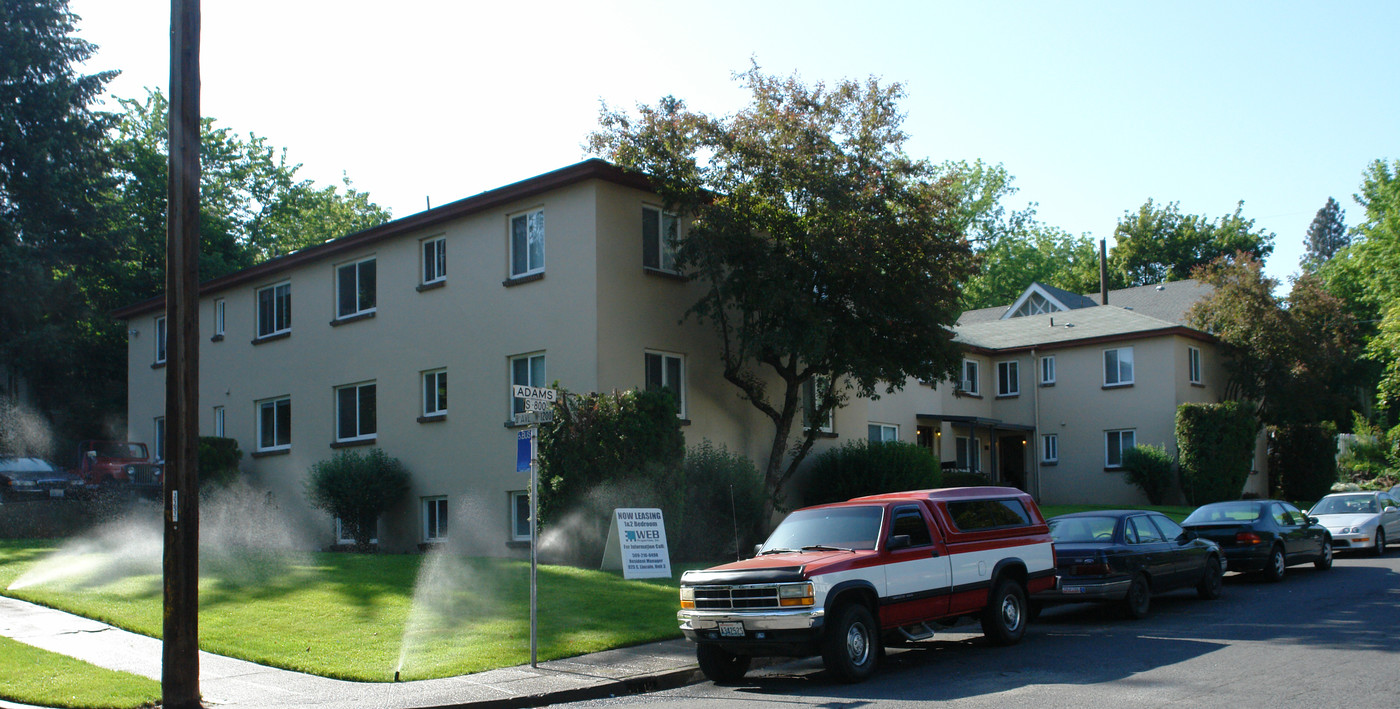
(537, 402)
(524, 453)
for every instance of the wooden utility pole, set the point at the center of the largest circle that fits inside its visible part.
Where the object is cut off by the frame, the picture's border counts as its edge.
(180, 644)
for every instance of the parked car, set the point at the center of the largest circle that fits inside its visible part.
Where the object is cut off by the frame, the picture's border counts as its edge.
(1125, 556)
(1263, 535)
(1359, 520)
(35, 478)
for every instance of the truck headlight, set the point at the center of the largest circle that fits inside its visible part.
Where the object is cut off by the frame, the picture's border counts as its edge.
(797, 594)
(688, 597)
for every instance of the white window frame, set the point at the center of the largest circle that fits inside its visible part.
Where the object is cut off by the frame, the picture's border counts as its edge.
(273, 405)
(436, 519)
(220, 321)
(340, 537)
(1193, 365)
(533, 377)
(359, 434)
(882, 432)
(1118, 377)
(532, 225)
(219, 421)
(1047, 370)
(356, 267)
(517, 497)
(664, 248)
(280, 292)
(434, 390)
(160, 438)
(972, 451)
(971, 377)
(434, 253)
(1050, 448)
(809, 405)
(1009, 378)
(665, 358)
(1117, 436)
(161, 340)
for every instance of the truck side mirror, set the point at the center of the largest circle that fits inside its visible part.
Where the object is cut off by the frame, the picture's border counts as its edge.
(898, 541)
(757, 548)
(92, 455)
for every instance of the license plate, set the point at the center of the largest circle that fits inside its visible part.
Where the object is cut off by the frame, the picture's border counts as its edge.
(1071, 590)
(55, 492)
(731, 630)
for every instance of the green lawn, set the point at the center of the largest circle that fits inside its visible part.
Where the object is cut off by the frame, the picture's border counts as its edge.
(1176, 513)
(32, 676)
(354, 617)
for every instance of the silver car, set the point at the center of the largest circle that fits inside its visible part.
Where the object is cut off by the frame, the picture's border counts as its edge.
(1359, 520)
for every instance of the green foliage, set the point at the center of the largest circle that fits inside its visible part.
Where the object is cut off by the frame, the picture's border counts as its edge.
(218, 460)
(1371, 455)
(1150, 468)
(1041, 254)
(865, 468)
(1216, 449)
(357, 487)
(823, 250)
(1162, 244)
(722, 506)
(1326, 236)
(1303, 460)
(963, 478)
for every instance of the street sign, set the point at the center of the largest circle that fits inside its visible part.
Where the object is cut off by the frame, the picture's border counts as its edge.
(520, 391)
(524, 450)
(532, 418)
(537, 405)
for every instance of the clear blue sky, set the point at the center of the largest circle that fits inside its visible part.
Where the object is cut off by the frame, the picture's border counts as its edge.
(1094, 106)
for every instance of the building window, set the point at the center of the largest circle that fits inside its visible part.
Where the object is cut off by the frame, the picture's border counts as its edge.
(1115, 443)
(660, 236)
(219, 421)
(969, 454)
(527, 244)
(1050, 448)
(275, 424)
(667, 371)
(160, 438)
(812, 392)
(435, 393)
(355, 288)
(219, 317)
(342, 537)
(520, 516)
(1047, 369)
(1008, 378)
(275, 310)
(1193, 364)
(1118, 366)
(529, 371)
(434, 519)
(355, 412)
(969, 377)
(434, 260)
(882, 432)
(160, 340)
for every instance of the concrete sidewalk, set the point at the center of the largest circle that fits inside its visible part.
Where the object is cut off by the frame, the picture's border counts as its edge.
(226, 682)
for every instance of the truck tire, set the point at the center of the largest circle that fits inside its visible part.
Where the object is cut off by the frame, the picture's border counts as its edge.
(851, 645)
(720, 665)
(1004, 618)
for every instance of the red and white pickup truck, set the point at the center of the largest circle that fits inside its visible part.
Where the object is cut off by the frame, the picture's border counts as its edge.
(845, 579)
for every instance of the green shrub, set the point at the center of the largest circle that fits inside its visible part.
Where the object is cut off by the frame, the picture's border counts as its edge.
(357, 488)
(721, 508)
(1303, 460)
(1371, 457)
(1216, 444)
(218, 460)
(963, 478)
(864, 468)
(1150, 468)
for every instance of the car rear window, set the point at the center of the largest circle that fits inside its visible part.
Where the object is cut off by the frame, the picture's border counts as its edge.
(975, 515)
(1072, 530)
(1225, 512)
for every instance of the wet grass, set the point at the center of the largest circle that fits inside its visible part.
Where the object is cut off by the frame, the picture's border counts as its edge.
(32, 676)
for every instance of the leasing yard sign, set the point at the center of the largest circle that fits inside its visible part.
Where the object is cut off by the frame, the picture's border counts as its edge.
(637, 544)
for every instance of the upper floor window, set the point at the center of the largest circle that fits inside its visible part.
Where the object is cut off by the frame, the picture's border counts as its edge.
(970, 377)
(1047, 369)
(355, 412)
(527, 243)
(529, 371)
(274, 309)
(219, 317)
(435, 393)
(355, 288)
(1115, 443)
(660, 234)
(667, 371)
(160, 339)
(813, 391)
(434, 260)
(275, 424)
(1008, 378)
(1193, 365)
(882, 432)
(1118, 366)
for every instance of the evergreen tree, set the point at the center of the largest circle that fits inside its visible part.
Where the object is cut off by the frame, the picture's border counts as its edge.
(1326, 235)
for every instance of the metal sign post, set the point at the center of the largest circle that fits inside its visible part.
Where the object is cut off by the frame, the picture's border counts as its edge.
(537, 411)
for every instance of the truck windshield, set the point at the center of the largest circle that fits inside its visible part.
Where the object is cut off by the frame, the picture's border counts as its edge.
(840, 527)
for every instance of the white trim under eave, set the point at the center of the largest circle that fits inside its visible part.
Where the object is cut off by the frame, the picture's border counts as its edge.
(1033, 288)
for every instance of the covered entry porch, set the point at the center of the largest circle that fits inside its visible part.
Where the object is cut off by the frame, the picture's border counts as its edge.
(995, 448)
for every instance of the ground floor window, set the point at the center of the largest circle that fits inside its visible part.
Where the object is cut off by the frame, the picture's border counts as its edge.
(1115, 443)
(341, 537)
(275, 424)
(520, 516)
(882, 432)
(1050, 448)
(969, 454)
(434, 519)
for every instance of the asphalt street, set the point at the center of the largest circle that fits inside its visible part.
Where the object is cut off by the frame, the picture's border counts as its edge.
(1318, 639)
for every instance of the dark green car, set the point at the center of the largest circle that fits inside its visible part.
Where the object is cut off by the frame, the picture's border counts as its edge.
(1263, 535)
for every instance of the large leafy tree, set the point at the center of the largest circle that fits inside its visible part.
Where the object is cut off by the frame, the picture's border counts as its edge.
(1326, 235)
(1157, 244)
(1041, 254)
(827, 253)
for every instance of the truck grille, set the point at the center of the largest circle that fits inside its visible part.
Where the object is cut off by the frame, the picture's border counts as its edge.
(142, 474)
(735, 597)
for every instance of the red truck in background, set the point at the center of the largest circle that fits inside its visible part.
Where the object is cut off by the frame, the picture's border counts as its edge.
(118, 465)
(845, 579)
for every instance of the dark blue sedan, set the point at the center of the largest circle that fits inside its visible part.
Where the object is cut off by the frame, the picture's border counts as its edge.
(1125, 556)
(1263, 535)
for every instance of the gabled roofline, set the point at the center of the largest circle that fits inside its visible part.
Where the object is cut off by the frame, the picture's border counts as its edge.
(1026, 294)
(591, 169)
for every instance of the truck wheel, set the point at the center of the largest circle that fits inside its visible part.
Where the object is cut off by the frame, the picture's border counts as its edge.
(1213, 582)
(1139, 598)
(719, 665)
(851, 645)
(1004, 618)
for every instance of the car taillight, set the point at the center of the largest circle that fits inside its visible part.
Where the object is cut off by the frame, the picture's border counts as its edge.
(1248, 538)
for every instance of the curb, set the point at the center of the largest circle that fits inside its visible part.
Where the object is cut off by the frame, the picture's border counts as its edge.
(641, 684)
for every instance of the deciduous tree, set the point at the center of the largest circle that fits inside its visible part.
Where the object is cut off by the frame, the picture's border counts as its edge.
(1157, 244)
(1040, 254)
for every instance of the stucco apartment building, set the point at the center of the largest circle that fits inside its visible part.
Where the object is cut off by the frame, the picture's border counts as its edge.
(408, 336)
